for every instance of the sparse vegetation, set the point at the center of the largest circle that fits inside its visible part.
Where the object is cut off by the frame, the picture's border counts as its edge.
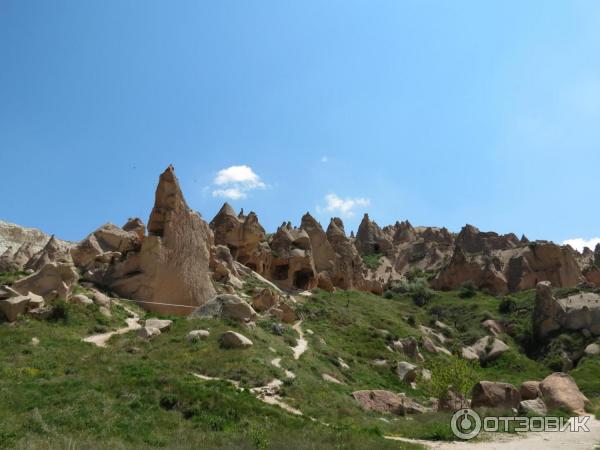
(372, 261)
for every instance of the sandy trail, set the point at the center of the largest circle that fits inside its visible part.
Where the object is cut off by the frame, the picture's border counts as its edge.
(132, 322)
(531, 441)
(302, 344)
(288, 373)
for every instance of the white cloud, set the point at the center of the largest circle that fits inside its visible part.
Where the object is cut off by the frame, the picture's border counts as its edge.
(324, 159)
(580, 243)
(231, 193)
(343, 207)
(234, 182)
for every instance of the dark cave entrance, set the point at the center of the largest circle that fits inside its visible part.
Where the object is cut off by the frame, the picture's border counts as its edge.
(302, 279)
(281, 272)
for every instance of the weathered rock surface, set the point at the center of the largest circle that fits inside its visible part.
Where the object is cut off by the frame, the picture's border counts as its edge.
(226, 306)
(489, 348)
(530, 390)
(561, 391)
(53, 252)
(370, 239)
(197, 335)
(575, 312)
(387, 402)
(492, 394)
(452, 401)
(231, 339)
(407, 372)
(170, 272)
(534, 406)
(13, 307)
(54, 280)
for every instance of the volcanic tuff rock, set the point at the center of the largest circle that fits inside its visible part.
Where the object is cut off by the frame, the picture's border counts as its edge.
(576, 312)
(169, 271)
(53, 251)
(370, 239)
(14, 236)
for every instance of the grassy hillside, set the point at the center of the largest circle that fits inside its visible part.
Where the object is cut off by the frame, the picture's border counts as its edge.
(136, 394)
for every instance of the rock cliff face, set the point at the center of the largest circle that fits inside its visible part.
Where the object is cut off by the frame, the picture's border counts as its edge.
(575, 312)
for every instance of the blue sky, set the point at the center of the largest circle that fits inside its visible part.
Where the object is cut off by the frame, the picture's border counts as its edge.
(443, 113)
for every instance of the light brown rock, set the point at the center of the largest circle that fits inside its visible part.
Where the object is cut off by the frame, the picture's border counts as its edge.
(561, 391)
(492, 394)
(231, 339)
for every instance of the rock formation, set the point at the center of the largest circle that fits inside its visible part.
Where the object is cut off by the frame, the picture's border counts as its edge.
(370, 239)
(166, 271)
(576, 312)
(292, 264)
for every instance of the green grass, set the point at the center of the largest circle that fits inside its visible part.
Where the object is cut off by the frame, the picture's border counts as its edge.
(139, 394)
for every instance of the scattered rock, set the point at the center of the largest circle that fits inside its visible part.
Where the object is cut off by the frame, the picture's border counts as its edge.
(469, 354)
(561, 391)
(530, 390)
(284, 312)
(81, 299)
(35, 341)
(228, 307)
(148, 332)
(54, 279)
(100, 299)
(13, 307)
(452, 401)
(592, 349)
(406, 371)
(489, 348)
(493, 326)
(161, 324)
(533, 406)
(330, 379)
(231, 339)
(492, 394)
(265, 300)
(387, 402)
(197, 335)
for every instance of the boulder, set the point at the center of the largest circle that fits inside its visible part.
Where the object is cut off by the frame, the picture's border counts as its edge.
(534, 406)
(226, 306)
(135, 225)
(489, 348)
(284, 312)
(494, 327)
(561, 391)
(490, 394)
(54, 279)
(101, 299)
(160, 324)
(265, 300)
(592, 349)
(148, 332)
(530, 390)
(106, 239)
(387, 402)
(81, 299)
(197, 335)
(452, 401)
(53, 252)
(469, 354)
(13, 307)
(575, 312)
(231, 339)
(407, 372)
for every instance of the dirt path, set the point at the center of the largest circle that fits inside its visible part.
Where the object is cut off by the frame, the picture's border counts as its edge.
(531, 441)
(302, 344)
(132, 322)
(288, 373)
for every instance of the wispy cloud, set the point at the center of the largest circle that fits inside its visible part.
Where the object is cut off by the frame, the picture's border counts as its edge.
(342, 206)
(235, 182)
(580, 243)
(324, 159)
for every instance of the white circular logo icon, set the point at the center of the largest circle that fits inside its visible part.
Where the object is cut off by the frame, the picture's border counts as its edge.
(465, 424)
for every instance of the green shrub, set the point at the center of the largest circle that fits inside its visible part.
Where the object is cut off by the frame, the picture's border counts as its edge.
(468, 290)
(372, 261)
(458, 373)
(507, 305)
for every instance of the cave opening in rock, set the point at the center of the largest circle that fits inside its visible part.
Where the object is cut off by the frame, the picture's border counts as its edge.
(281, 272)
(302, 279)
